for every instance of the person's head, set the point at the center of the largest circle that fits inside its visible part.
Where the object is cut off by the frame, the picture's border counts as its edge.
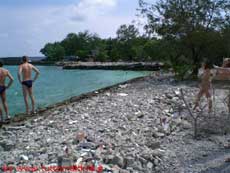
(207, 65)
(1, 64)
(226, 62)
(25, 59)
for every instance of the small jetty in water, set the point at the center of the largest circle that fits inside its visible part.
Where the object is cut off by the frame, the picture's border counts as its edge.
(143, 66)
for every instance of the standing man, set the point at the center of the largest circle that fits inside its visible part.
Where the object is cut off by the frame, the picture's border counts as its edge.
(25, 70)
(3, 75)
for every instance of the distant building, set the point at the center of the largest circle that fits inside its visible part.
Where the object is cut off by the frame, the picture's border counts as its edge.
(71, 58)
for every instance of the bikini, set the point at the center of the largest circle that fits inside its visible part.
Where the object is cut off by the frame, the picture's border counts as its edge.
(28, 83)
(2, 89)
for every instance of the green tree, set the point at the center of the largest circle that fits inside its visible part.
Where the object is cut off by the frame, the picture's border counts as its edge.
(126, 35)
(184, 23)
(53, 52)
(127, 32)
(226, 40)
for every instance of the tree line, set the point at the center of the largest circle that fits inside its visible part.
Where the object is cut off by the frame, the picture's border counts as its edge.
(181, 33)
(128, 45)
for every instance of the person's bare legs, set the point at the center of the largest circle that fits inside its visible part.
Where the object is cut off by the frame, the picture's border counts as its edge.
(209, 99)
(1, 116)
(30, 90)
(25, 94)
(4, 103)
(198, 99)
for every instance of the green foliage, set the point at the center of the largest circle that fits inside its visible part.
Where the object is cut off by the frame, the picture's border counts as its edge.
(127, 33)
(54, 52)
(188, 31)
(195, 29)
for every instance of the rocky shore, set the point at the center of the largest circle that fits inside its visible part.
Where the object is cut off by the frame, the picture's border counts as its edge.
(112, 65)
(141, 126)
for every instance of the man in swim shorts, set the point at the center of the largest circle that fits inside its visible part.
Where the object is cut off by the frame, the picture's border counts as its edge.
(3, 75)
(25, 70)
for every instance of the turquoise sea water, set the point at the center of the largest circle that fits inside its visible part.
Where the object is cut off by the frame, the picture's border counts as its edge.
(55, 85)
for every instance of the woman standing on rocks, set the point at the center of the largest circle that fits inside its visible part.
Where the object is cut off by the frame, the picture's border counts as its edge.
(205, 86)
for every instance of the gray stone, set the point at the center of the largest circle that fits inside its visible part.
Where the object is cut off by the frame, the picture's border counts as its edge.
(1, 149)
(156, 162)
(7, 145)
(116, 160)
(150, 165)
(158, 152)
(24, 157)
(137, 166)
(153, 145)
(129, 161)
(186, 125)
(158, 135)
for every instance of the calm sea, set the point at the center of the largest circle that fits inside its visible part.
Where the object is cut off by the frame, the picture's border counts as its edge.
(55, 85)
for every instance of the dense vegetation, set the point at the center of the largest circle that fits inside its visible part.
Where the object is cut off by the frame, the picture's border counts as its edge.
(180, 32)
(129, 45)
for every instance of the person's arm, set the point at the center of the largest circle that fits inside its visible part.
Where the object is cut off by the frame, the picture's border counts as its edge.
(19, 74)
(37, 73)
(11, 79)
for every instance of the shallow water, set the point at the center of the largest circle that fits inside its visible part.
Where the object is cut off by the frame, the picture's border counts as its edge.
(55, 84)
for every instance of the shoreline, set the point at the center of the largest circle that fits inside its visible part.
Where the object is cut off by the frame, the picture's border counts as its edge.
(135, 66)
(20, 117)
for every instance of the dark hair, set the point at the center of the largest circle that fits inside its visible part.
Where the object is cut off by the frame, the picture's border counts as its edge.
(208, 65)
(25, 59)
(1, 63)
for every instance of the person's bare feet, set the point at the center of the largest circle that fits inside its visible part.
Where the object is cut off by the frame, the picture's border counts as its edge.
(8, 118)
(33, 112)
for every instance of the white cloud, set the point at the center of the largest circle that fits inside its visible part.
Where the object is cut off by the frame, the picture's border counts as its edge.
(85, 9)
(26, 30)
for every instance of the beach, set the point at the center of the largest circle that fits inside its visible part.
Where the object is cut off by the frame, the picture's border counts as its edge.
(131, 127)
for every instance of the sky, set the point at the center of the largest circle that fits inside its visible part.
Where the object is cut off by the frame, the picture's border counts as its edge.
(27, 25)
